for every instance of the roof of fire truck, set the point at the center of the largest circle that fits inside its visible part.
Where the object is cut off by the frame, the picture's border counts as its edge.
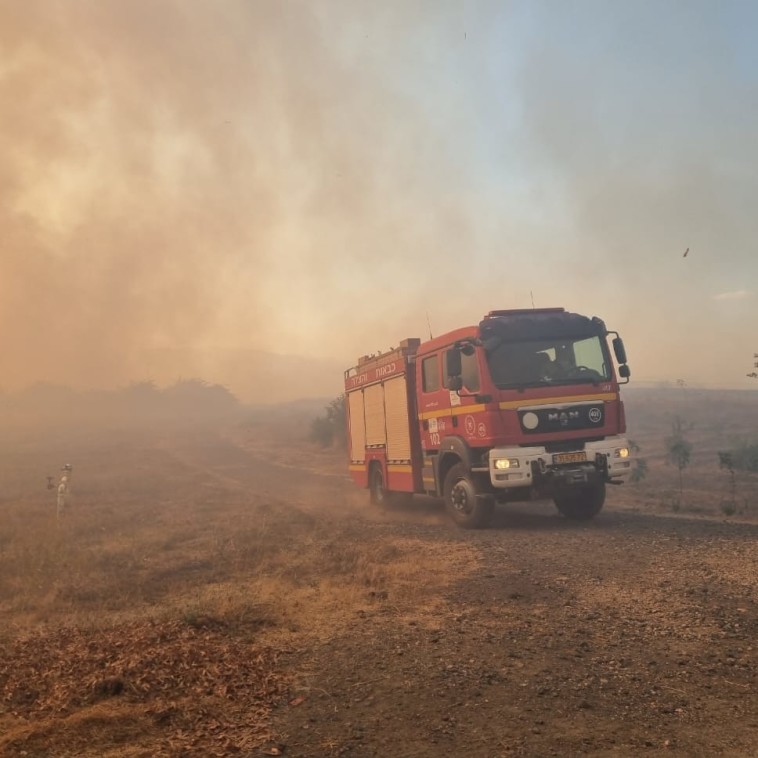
(550, 323)
(522, 323)
(514, 324)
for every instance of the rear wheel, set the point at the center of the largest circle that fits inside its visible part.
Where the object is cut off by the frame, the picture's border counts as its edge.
(582, 503)
(376, 490)
(380, 495)
(468, 510)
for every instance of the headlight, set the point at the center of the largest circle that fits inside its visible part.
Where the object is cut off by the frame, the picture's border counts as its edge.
(621, 452)
(504, 463)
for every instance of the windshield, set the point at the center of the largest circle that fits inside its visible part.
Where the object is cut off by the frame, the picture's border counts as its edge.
(538, 362)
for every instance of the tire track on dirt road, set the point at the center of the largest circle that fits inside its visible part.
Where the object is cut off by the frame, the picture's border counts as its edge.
(226, 460)
(616, 637)
(633, 634)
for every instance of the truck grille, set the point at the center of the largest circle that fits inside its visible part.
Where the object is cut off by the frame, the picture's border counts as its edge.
(547, 420)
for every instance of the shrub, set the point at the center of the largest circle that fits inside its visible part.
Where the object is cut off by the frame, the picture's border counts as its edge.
(679, 448)
(744, 457)
(329, 429)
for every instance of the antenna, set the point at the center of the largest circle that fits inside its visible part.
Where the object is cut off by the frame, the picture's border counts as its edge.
(429, 324)
(532, 296)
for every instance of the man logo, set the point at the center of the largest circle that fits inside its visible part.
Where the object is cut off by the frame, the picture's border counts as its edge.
(595, 415)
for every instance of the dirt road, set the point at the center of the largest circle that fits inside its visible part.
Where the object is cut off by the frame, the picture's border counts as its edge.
(395, 633)
(632, 635)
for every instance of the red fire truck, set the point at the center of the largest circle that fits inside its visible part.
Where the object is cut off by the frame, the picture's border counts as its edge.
(523, 406)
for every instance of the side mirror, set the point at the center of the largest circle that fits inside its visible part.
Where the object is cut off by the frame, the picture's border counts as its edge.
(624, 371)
(467, 349)
(455, 383)
(453, 362)
(619, 350)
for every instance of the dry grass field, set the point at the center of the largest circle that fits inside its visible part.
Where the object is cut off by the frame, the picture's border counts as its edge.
(222, 589)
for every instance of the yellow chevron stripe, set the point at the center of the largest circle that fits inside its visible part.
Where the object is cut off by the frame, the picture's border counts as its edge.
(395, 468)
(605, 396)
(506, 404)
(459, 410)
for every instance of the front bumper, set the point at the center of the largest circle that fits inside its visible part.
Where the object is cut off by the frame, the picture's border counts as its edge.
(591, 462)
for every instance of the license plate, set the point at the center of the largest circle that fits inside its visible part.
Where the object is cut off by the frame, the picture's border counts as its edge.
(569, 458)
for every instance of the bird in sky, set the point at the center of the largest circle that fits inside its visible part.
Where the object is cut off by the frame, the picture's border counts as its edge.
(685, 253)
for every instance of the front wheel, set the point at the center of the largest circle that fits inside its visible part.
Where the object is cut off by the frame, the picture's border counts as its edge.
(581, 503)
(467, 509)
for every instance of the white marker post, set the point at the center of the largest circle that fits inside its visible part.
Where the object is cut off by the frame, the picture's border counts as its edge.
(63, 489)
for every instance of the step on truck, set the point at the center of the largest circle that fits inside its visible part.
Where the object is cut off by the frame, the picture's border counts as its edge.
(524, 406)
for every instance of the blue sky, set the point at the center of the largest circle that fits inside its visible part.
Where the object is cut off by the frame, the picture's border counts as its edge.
(314, 178)
(585, 146)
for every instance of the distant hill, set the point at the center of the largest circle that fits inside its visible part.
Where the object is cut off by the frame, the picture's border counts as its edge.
(256, 377)
(722, 414)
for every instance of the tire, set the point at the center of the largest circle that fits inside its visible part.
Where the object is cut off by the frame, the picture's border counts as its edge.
(581, 504)
(376, 488)
(467, 509)
(379, 495)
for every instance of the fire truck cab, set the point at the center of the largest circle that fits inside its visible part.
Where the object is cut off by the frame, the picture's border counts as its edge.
(523, 406)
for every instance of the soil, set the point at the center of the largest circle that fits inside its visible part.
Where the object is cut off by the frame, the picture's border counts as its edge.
(635, 634)
(368, 632)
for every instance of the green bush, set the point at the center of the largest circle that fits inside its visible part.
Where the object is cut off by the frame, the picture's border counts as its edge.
(328, 429)
(745, 456)
(639, 472)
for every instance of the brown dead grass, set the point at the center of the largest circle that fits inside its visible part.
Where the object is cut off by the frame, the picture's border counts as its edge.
(713, 421)
(191, 561)
(156, 617)
(199, 679)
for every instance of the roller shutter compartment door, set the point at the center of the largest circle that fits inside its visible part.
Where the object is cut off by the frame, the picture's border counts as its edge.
(357, 427)
(373, 397)
(398, 429)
